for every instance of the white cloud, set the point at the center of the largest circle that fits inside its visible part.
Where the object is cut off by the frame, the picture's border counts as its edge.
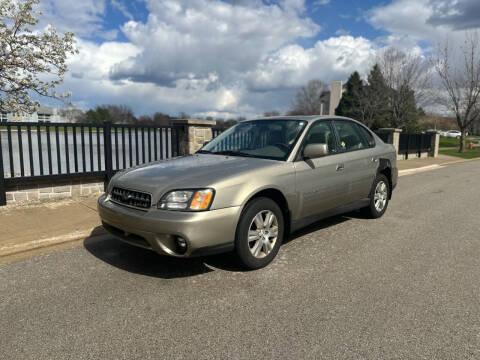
(412, 21)
(228, 58)
(188, 38)
(83, 17)
(211, 57)
(321, 2)
(328, 60)
(122, 8)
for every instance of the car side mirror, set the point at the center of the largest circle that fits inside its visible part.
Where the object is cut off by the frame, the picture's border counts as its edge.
(313, 151)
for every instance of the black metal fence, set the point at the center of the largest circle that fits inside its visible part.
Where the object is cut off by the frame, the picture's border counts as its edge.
(383, 135)
(414, 144)
(39, 151)
(217, 131)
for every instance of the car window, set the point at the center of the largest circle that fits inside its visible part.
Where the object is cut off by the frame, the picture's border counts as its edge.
(269, 139)
(366, 135)
(322, 133)
(349, 136)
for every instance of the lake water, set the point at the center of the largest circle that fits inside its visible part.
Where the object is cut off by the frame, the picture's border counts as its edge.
(63, 158)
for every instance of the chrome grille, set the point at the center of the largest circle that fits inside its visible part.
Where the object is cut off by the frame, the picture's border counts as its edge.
(132, 198)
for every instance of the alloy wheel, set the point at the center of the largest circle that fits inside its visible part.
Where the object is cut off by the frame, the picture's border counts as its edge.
(262, 234)
(381, 196)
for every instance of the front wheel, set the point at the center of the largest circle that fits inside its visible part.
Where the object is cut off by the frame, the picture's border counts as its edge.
(259, 234)
(379, 197)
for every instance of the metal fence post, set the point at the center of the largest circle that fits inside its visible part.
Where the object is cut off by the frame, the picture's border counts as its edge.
(107, 147)
(3, 195)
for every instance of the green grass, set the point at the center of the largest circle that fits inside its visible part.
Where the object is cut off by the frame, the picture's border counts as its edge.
(468, 154)
(452, 142)
(449, 142)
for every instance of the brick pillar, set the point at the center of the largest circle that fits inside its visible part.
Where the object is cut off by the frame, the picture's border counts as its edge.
(393, 136)
(193, 134)
(435, 144)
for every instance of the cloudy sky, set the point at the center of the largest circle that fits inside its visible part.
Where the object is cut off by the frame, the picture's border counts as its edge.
(227, 58)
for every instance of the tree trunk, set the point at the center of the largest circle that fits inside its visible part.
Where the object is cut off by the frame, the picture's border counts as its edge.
(463, 139)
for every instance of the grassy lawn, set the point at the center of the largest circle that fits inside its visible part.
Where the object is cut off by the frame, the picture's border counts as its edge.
(451, 142)
(468, 154)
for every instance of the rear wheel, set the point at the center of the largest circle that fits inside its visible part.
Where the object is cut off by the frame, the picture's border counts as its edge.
(379, 197)
(260, 233)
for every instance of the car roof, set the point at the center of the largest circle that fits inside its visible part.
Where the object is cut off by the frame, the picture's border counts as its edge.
(308, 118)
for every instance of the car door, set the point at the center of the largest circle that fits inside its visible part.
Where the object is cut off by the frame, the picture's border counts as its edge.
(320, 182)
(360, 162)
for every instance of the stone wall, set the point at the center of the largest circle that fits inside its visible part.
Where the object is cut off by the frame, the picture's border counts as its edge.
(197, 136)
(194, 134)
(53, 190)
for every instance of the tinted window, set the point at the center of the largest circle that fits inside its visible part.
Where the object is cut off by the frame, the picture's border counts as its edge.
(349, 136)
(322, 133)
(366, 135)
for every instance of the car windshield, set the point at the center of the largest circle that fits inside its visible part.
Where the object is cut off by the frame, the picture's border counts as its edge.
(269, 139)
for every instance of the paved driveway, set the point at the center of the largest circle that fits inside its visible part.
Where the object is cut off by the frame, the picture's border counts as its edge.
(406, 286)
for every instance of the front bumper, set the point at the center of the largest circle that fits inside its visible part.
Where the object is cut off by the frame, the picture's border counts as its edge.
(205, 232)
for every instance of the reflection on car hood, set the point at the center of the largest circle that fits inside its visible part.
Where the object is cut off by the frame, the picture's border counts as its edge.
(193, 171)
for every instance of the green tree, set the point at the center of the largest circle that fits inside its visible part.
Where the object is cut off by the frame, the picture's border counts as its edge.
(114, 113)
(375, 100)
(351, 104)
(97, 116)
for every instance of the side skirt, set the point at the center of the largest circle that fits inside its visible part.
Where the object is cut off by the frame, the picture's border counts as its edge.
(301, 223)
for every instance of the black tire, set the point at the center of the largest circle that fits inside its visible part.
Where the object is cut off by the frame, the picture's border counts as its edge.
(242, 245)
(371, 210)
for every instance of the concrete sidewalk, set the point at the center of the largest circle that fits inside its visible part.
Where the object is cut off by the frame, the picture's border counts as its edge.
(41, 226)
(30, 226)
(416, 163)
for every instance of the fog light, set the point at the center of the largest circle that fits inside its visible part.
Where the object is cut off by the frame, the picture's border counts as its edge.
(181, 245)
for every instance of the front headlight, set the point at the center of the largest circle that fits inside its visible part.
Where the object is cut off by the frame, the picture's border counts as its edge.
(187, 200)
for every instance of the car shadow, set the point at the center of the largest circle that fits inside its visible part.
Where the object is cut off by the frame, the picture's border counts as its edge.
(146, 262)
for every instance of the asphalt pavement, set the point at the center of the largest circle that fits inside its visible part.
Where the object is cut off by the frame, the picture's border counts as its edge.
(406, 286)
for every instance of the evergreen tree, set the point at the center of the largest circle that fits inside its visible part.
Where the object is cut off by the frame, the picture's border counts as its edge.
(351, 103)
(376, 100)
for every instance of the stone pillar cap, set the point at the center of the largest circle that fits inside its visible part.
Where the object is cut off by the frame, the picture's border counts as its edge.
(390, 130)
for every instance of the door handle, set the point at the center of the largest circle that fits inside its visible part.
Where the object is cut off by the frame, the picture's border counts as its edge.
(340, 167)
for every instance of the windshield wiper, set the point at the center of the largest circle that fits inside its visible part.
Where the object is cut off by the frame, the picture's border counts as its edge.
(204, 152)
(232, 153)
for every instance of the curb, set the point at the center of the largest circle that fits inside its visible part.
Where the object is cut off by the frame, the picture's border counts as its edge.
(418, 170)
(43, 243)
(459, 161)
(433, 167)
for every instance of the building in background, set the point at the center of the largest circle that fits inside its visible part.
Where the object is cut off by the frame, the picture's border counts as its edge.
(66, 114)
(329, 100)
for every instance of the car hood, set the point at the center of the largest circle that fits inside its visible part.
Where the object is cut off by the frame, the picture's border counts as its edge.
(193, 171)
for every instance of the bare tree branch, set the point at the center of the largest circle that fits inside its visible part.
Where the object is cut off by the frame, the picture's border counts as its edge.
(308, 99)
(460, 81)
